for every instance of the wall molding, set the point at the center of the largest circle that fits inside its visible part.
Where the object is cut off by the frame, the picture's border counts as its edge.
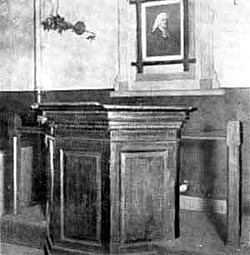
(193, 92)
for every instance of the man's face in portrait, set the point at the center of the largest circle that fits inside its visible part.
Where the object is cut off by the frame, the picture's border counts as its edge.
(163, 25)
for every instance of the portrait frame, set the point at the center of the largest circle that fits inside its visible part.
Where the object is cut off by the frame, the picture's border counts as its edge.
(178, 33)
(154, 46)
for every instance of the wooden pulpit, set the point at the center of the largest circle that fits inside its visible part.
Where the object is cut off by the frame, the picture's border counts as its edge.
(113, 176)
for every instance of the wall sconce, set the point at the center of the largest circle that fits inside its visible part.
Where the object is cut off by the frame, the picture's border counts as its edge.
(57, 23)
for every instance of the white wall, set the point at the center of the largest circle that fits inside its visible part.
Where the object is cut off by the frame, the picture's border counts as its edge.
(232, 42)
(69, 61)
(16, 45)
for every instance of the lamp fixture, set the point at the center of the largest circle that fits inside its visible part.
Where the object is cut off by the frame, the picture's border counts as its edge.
(57, 23)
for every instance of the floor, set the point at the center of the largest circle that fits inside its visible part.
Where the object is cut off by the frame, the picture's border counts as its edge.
(200, 234)
(22, 234)
(203, 233)
(10, 249)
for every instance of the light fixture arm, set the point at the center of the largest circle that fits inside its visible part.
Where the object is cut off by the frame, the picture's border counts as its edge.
(58, 23)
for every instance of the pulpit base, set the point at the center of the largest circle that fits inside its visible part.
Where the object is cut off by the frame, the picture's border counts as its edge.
(114, 171)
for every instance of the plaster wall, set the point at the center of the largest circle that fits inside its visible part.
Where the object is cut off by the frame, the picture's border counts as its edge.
(231, 42)
(16, 45)
(69, 61)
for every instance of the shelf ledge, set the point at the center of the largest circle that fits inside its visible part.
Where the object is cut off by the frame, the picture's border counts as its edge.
(196, 92)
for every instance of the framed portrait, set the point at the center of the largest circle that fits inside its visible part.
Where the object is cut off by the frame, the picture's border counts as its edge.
(162, 30)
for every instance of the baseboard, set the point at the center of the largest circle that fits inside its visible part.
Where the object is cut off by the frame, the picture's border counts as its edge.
(202, 204)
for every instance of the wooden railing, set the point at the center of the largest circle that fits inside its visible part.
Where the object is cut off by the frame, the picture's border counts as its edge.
(233, 199)
(1, 183)
(234, 183)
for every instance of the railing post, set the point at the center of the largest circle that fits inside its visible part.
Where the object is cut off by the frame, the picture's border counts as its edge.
(15, 174)
(1, 183)
(234, 187)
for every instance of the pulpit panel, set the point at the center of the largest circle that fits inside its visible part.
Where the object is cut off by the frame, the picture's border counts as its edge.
(81, 198)
(144, 195)
(144, 183)
(81, 193)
